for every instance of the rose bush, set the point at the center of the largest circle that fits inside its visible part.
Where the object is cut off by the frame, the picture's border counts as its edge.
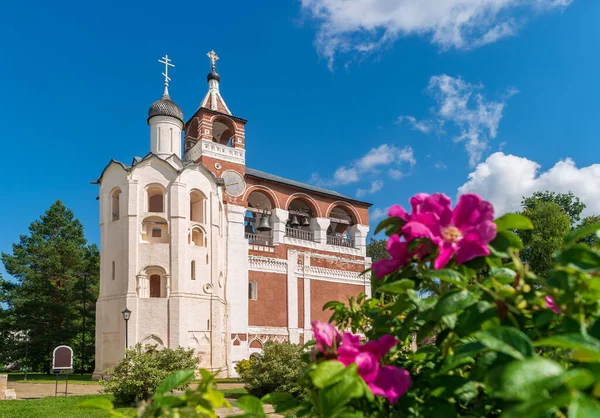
(462, 328)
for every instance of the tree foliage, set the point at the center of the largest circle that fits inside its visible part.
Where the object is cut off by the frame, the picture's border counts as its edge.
(569, 203)
(277, 369)
(49, 265)
(550, 226)
(136, 377)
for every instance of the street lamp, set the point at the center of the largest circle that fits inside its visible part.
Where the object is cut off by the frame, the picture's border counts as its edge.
(26, 353)
(126, 315)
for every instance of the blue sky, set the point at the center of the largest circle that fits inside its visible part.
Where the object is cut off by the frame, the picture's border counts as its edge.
(321, 85)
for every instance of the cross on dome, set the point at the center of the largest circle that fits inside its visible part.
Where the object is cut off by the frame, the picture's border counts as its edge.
(165, 60)
(213, 58)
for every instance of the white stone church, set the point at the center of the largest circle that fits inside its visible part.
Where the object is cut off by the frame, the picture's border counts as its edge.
(210, 254)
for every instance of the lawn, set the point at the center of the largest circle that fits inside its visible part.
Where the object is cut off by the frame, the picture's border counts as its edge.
(66, 406)
(55, 407)
(80, 379)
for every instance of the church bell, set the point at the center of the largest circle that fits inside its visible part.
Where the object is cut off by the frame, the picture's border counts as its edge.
(294, 221)
(305, 222)
(263, 224)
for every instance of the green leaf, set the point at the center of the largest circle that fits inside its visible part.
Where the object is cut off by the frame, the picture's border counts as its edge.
(389, 223)
(397, 287)
(175, 380)
(586, 349)
(503, 274)
(580, 256)
(453, 302)
(326, 373)
(522, 380)
(513, 221)
(584, 407)
(507, 340)
(581, 232)
(333, 398)
(449, 276)
(282, 401)
(252, 406)
(538, 407)
(97, 403)
(474, 317)
(594, 330)
(503, 242)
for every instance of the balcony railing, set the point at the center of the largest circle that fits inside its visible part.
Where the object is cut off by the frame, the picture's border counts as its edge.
(340, 241)
(260, 239)
(300, 234)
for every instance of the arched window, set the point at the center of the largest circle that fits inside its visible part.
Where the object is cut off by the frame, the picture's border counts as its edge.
(155, 286)
(337, 233)
(155, 199)
(115, 210)
(299, 223)
(155, 229)
(114, 271)
(252, 290)
(223, 132)
(197, 206)
(193, 272)
(198, 237)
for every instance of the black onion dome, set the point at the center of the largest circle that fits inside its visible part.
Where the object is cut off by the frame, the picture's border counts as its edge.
(213, 75)
(165, 107)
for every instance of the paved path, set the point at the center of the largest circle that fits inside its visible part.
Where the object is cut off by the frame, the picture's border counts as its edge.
(41, 390)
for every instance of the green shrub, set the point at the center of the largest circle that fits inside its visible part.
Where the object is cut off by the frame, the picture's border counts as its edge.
(137, 376)
(277, 369)
(242, 366)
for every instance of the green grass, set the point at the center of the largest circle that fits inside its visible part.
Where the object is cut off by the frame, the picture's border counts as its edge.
(228, 380)
(85, 379)
(66, 406)
(55, 407)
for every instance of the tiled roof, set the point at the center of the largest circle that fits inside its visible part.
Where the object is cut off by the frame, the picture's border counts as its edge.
(271, 177)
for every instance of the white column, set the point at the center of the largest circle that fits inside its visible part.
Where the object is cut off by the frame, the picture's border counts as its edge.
(237, 282)
(279, 218)
(306, 304)
(359, 234)
(319, 227)
(292, 296)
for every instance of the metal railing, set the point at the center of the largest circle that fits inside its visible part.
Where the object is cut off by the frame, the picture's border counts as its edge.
(299, 234)
(260, 239)
(340, 241)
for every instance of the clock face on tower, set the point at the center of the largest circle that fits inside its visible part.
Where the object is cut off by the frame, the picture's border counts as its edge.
(234, 183)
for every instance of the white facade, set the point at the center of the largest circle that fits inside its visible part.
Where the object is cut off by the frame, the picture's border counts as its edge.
(163, 257)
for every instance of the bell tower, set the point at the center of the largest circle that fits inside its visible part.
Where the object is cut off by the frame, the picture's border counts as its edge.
(215, 137)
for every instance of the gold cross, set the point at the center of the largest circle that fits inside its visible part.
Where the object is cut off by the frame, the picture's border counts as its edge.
(213, 58)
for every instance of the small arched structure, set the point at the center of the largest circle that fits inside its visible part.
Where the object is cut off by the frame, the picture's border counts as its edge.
(154, 341)
(156, 198)
(155, 229)
(153, 283)
(258, 219)
(197, 206)
(223, 131)
(197, 237)
(252, 290)
(341, 219)
(115, 210)
(299, 224)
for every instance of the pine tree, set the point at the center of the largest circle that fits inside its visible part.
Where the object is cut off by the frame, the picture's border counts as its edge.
(46, 301)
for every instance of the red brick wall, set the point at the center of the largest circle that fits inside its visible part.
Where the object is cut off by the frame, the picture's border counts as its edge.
(270, 309)
(322, 292)
(336, 264)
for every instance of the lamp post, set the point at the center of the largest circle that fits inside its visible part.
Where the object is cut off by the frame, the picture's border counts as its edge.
(84, 275)
(26, 353)
(126, 315)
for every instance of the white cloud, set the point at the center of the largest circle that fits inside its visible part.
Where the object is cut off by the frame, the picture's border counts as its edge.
(395, 174)
(440, 165)
(376, 186)
(424, 126)
(505, 179)
(461, 104)
(360, 27)
(378, 213)
(372, 162)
